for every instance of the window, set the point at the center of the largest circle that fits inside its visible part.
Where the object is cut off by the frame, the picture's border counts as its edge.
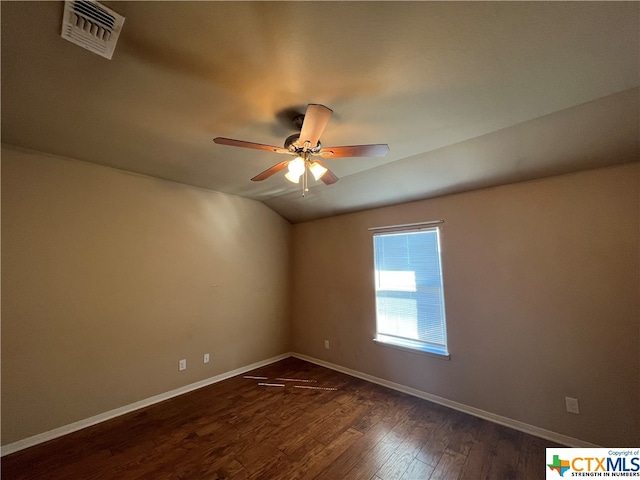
(409, 293)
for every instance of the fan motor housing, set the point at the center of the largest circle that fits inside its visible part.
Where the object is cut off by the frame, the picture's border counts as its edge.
(290, 144)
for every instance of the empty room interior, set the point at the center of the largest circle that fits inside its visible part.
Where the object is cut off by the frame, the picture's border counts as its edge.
(330, 240)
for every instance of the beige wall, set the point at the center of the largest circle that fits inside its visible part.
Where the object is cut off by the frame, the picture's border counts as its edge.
(542, 297)
(109, 278)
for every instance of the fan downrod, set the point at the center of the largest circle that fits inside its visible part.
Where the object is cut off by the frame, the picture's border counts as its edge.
(298, 121)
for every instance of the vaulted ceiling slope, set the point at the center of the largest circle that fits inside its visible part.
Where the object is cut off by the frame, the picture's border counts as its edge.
(466, 94)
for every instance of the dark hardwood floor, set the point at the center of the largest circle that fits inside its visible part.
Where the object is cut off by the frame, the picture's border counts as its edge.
(237, 429)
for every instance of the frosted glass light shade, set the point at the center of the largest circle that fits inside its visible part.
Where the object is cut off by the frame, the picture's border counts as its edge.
(292, 178)
(296, 166)
(317, 170)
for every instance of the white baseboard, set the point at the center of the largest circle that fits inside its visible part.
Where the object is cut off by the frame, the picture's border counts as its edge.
(79, 425)
(476, 412)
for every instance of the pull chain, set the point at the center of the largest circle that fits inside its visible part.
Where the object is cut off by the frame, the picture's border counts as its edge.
(305, 187)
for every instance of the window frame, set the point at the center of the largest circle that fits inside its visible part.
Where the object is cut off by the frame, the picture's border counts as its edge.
(403, 343)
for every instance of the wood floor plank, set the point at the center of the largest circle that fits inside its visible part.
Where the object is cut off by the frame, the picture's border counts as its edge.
(415, 440)
(309, 424)
(478, 460)
(464, 435)
(506, 455)
(410, 438)
(531, 464)
(438, 442)
(449, 467)
(326, 456)
(417, 470)
(238, 430)
(338, 422)
(395, 466)
(355, 453)
(371, 461)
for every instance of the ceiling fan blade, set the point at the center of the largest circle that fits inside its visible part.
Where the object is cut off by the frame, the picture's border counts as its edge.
(379, 150)
(256, 146)
(270, 171)
(329, 177)
(315, 121)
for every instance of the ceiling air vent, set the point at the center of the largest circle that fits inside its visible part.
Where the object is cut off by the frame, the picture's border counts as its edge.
(92, 26)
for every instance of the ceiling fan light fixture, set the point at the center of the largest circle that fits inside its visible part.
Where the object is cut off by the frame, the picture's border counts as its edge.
(300, 145)
(317, 170)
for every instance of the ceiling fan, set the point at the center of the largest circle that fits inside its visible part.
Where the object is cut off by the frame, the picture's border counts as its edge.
(306, 149)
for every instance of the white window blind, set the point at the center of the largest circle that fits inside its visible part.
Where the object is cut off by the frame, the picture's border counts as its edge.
(409, 294)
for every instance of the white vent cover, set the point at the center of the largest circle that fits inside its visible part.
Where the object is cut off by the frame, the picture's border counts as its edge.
(92, 26)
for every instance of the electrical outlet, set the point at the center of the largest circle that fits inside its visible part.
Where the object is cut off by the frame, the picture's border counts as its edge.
(182, 365)
(572, 405)
(326, 344)
(206, 358)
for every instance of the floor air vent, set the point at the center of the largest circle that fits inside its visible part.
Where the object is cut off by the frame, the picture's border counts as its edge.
(92, 26)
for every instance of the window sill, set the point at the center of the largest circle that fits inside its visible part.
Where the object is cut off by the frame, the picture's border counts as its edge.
(412, 349)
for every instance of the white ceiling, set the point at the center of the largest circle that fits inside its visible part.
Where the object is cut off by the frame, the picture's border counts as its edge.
(467, 95)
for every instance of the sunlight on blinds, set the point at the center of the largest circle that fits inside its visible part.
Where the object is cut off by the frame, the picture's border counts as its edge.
(409, 293)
